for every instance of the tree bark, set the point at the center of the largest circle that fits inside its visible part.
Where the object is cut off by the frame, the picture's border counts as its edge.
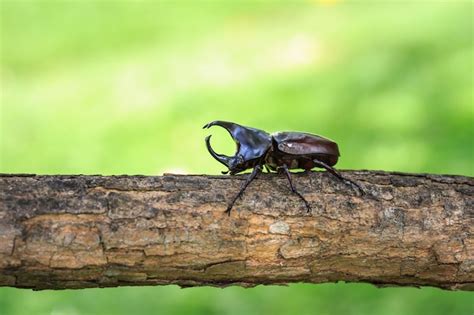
(59, 232)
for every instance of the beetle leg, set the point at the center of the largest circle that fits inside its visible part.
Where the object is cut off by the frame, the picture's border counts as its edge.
(338, 175)
(288, 175)
(249, 179)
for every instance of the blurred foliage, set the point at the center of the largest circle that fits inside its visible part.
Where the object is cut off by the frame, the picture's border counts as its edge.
(99, 87)
(301, 299)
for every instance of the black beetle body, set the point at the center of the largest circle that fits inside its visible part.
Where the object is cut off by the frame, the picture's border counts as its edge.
(280, 151)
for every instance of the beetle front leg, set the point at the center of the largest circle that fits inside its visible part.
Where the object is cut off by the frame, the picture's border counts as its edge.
(249, 179)
(288, 175)
(338, 175)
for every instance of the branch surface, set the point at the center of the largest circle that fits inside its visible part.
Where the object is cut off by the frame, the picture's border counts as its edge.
(59, 232)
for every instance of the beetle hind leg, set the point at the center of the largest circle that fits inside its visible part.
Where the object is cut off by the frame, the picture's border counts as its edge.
(288, 175)
(339, 176)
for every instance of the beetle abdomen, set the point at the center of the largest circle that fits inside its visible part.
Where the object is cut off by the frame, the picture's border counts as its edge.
(306, 162)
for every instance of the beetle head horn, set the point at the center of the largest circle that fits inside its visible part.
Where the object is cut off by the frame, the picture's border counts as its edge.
(224, 159)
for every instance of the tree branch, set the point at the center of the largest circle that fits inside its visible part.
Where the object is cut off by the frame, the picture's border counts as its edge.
(60, 232)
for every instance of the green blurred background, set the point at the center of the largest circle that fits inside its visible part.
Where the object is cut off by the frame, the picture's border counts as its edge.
(101, 87)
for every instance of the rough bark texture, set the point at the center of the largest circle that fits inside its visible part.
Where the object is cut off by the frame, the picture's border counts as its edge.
(61, 232)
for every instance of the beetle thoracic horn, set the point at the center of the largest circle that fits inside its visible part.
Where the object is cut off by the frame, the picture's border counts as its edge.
(235, 130)
(224, 159)
(232, 128)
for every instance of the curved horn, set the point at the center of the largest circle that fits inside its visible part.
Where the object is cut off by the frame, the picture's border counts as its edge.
(233, 129)
(251, 143)
(224, 159)
(229, 126)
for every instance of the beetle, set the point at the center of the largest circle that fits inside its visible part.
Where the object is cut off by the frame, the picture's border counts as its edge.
(280, 151)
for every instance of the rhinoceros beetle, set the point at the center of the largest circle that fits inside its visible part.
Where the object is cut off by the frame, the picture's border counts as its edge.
(280, 151)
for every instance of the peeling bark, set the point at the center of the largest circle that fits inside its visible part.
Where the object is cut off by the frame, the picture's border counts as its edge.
(59, 232)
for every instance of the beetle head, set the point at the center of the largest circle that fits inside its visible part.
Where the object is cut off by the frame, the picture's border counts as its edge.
(252, 144)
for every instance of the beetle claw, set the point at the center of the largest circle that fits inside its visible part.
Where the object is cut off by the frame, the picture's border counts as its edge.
(357, 187)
